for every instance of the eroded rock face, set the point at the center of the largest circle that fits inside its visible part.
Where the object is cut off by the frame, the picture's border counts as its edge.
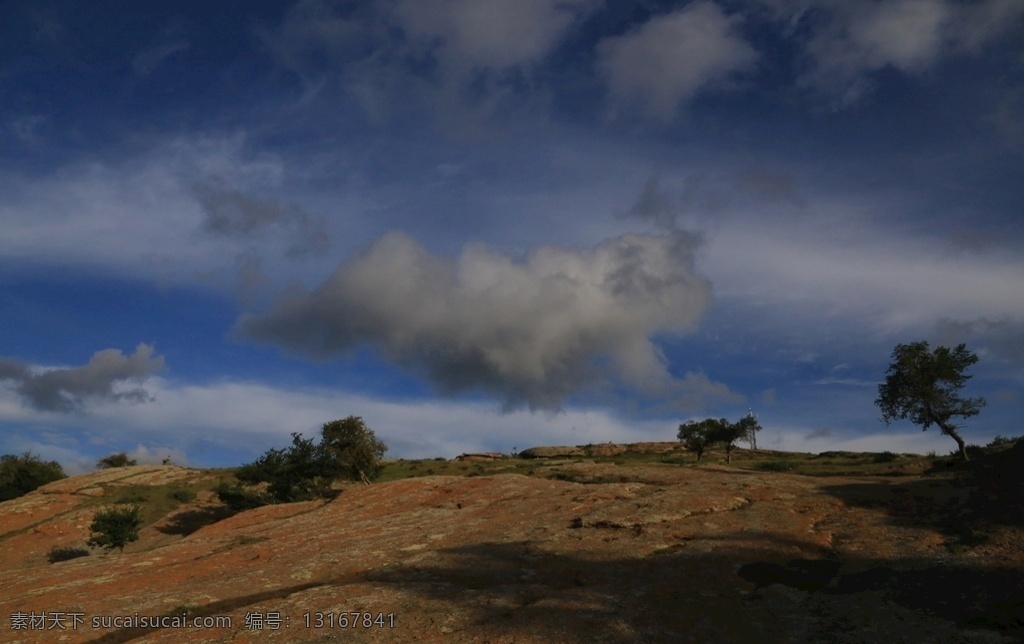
(653, 553)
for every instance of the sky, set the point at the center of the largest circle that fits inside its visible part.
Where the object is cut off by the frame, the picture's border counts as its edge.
(485, 225)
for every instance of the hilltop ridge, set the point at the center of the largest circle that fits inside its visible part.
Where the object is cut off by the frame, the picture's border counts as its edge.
(582, 550)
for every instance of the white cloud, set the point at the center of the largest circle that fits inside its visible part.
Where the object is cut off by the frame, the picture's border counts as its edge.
(532, 332)
(792, 438)
(665, 62)
(877, 277)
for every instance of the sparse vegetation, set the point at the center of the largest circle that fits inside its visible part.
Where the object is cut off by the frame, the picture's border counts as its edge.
(21, 474)
(65, 553)
(115, 528)
(119, 459)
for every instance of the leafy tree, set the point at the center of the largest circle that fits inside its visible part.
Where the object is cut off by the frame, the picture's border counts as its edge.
(728, 433)
(353, 448)
(923, 386)
(21, 474)
(347, 449)
(115, 528)
(699, 435)
(115, 460)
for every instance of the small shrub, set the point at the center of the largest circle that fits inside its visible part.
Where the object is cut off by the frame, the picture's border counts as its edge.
(884, 457)
(182, 496)
(240, 499)
(972, 451)
(775, 466)
(65, 553)
(115, 528)
(115, 460)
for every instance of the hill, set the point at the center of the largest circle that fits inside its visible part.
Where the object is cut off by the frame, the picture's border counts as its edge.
(635, 546)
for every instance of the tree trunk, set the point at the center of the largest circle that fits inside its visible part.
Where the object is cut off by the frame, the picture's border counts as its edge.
(951, 431)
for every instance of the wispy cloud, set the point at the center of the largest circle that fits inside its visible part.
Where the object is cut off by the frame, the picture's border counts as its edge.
(147, 61)
(905, 35)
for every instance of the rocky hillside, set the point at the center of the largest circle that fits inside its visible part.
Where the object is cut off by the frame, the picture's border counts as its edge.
(582, 551)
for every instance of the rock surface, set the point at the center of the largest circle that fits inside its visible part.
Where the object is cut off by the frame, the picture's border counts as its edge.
(617, 554)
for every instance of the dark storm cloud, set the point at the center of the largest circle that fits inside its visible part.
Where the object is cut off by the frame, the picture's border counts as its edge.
(531, 332)
(234, 214)
(67, 390)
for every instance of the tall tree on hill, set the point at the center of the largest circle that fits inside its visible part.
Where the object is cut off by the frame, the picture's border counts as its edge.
(923, 386)
(697, 436)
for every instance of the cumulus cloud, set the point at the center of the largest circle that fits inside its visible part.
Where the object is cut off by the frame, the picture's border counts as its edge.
(665, 62)
(232, 213)
(67, 390)
(905, 35)
(532, 332)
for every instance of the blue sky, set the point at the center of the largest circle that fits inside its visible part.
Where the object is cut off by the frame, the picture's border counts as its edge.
(484, 225)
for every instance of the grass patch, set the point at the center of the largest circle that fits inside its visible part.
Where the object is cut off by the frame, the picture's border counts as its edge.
(182, 495)
(774, 466)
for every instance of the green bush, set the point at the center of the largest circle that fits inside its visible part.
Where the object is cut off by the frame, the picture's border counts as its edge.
(884, 457)
(240, 499)
(65, 553)
(21, 474)
(115, 528)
